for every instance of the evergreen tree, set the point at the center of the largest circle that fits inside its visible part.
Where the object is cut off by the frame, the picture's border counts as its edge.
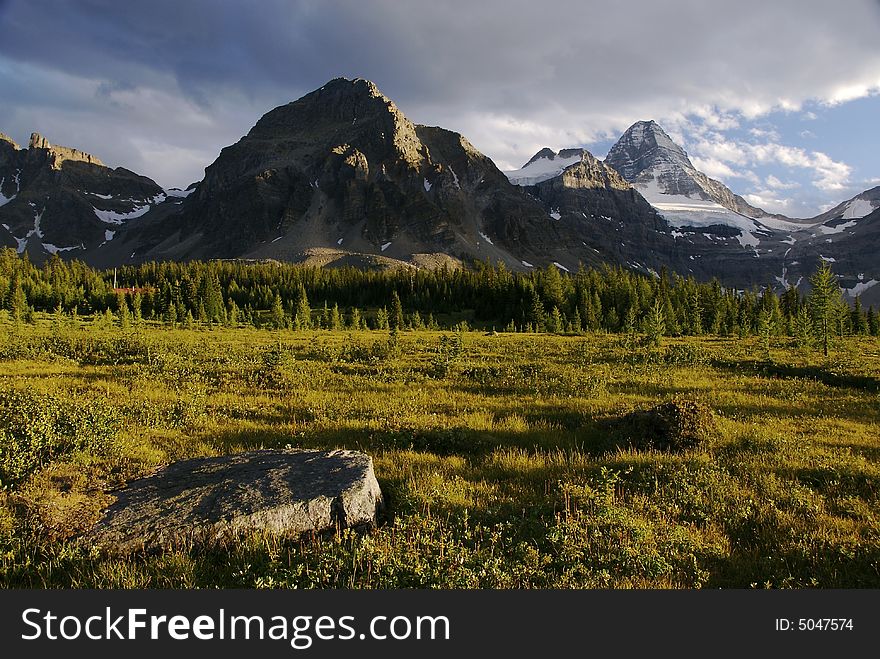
(871, 321)
(325, 316)
(382, 319)
(18, 303)
(554, 322)
(765, 330)
(395, 320)
(137, 306)
(335, 319)
(354, 318)
(824, 303)
(858, 323)
(303, 315)
(535, 313)
(655, 324)
(123, 311)
(171, 315)
(803, 327)
(277, 315)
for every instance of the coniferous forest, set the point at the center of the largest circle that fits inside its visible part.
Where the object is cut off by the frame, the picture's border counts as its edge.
(278, 295)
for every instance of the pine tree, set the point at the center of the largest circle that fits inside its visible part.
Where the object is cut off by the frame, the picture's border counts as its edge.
(824, 303)
(765, 330)
(325, 316)
(555, 322)
(18, 303)
(655, 324)
(859, 322)
(536, 311)
(137, 306)
(871, 320)
(395, 320)
(123, 311)
(803, 327)
(335, 319)
(171, 315)
(303, 315)
(277, 314)
(354, 318)
(382, 319)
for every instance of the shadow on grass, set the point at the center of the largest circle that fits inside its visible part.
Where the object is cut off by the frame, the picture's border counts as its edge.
(789, 371)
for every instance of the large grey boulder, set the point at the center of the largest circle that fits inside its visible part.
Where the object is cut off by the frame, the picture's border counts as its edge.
(209, 501)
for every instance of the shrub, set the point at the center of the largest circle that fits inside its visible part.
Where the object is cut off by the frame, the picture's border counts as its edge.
(38, 428)
(673, 426)
(686, 354)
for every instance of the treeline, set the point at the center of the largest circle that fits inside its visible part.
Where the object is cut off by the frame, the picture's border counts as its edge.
(285, 295)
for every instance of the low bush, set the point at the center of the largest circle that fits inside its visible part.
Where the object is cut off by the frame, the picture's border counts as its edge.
(38, 428)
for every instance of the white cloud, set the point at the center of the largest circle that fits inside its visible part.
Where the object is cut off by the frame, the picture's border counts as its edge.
(775, 184)
(828, 175)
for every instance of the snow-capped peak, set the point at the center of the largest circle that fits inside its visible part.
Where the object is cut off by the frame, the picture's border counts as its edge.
(544, 165)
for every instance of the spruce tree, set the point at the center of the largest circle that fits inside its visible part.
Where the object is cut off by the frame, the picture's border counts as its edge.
(382, 319)
(354, 318)
(536, 311)
(303, 314)
(122, 309)
(803, 327)
(277, 315)
(655, 324)
(859, 323)
(824, 303)
(395, 320)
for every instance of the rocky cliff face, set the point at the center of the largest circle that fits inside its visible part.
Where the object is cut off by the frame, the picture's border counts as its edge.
(57, 200)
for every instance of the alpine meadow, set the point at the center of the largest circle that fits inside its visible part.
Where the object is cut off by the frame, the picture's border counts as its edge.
(603, 429)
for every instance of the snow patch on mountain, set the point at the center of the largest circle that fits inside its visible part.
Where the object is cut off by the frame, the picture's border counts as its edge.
(177, 192)
(861, 287)
(52, 249)
(858, 208)
(825, 229)
(541, 169)
(112, 217)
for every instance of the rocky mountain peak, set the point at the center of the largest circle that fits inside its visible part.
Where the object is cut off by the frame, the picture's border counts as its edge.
(644, 144)
(58, 154)
(9, 141)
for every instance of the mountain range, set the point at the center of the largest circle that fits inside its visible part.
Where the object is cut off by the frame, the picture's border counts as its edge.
(342, 177)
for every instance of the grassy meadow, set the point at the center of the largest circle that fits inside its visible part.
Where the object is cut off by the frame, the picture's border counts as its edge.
(497, 454)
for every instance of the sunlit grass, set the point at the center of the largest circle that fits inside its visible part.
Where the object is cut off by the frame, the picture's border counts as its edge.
(497, 465)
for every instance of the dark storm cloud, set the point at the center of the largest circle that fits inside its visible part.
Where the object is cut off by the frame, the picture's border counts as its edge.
(163, 84)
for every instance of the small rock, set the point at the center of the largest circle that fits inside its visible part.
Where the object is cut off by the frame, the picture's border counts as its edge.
(208, 501)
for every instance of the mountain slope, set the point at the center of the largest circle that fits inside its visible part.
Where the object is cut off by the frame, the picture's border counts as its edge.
(343, 168)
(57, 200)
(659, 168)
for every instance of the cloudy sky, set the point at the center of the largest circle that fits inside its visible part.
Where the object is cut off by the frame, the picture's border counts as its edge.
(780, 100)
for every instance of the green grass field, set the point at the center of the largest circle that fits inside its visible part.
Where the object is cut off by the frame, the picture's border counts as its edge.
(497, 456)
